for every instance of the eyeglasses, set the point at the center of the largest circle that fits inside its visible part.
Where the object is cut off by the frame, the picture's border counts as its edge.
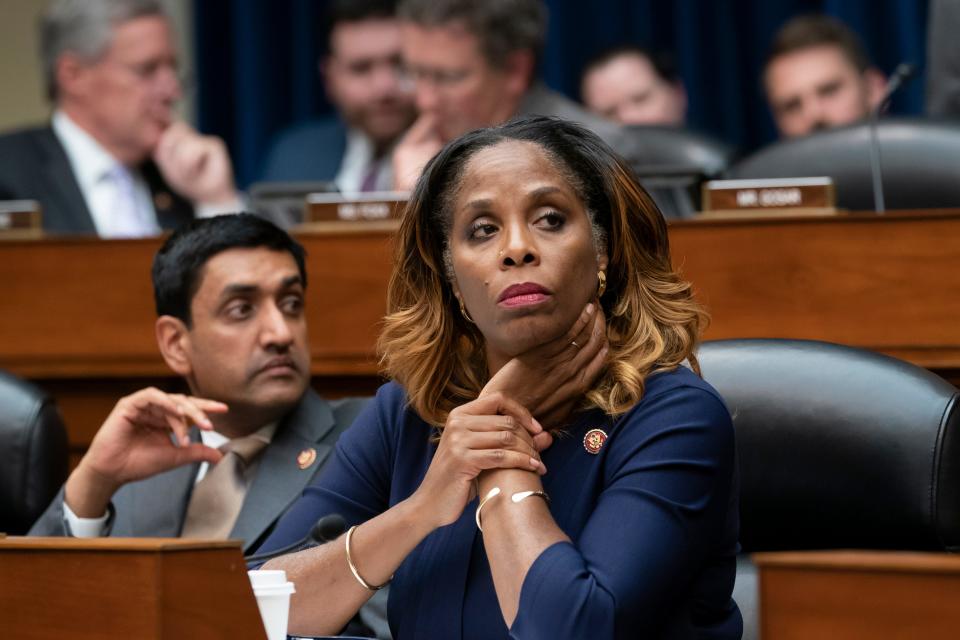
(441, 79)
(152, 71)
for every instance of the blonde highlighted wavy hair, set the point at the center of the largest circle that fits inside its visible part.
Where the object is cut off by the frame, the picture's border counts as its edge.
(653, 321)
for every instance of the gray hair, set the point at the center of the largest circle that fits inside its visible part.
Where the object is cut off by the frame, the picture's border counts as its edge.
(85, 27)
(502, 26)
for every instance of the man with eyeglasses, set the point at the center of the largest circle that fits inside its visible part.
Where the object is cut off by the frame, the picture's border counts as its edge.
(114, 161)
(473, 65)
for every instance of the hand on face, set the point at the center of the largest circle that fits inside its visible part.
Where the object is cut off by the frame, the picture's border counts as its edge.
(195, 166)
(492, 432)
(135, 443)
(414, 150)
(552, 376)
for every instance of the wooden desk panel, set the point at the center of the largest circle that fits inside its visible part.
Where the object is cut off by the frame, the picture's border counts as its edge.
(887, 283)
(84, 308)
(77, 316)
(106, 588)
(858, 595)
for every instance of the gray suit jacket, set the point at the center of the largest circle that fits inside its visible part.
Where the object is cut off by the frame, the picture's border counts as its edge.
(155, 507)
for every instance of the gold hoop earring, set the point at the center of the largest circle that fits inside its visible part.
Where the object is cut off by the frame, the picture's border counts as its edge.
(463, 312)
(601, 286)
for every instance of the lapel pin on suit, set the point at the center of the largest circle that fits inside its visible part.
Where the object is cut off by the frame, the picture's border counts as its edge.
(593, 440)
(306, 457)
(162, 200)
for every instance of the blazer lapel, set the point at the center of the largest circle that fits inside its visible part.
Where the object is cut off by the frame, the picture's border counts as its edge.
(280, 480)
(172, 210)
(61, 188)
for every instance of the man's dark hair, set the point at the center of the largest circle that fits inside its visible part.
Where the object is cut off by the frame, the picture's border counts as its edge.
(817, 30)
(343, 11)
(501, 26)
(178, 265)
(663, 64)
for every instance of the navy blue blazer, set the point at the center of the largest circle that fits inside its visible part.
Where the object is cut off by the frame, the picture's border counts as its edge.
(311, 151)
(652, 519)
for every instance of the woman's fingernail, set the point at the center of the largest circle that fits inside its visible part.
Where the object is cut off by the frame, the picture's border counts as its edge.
(589, 307)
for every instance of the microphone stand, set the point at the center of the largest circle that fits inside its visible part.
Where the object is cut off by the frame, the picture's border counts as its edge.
(901, 74)
(876, 170)
(326, 529)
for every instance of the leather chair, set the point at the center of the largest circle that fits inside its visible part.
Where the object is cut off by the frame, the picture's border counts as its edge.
(672, 162)
(33, 453)
(838, 448)
(918, 159)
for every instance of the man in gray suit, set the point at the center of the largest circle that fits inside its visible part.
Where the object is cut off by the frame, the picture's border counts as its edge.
(229, 294)
(473, 64)
(231, 457)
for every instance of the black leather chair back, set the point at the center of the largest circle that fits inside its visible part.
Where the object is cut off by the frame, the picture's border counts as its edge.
(33, 453)
(649, 148)
(672, 162)
(839, 447)
(919, 161)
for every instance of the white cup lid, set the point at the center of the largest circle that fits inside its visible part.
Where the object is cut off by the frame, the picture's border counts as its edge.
(284, 589)
(271, 578)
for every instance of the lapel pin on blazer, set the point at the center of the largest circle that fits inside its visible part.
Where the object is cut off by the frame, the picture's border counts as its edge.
(162, 200)
(593, 440)
(306, 457)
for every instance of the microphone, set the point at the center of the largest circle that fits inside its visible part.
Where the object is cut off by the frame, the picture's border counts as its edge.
(328, 528)
(898, 78)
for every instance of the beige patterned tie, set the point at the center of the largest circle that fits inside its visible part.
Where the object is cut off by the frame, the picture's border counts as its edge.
(216, 500)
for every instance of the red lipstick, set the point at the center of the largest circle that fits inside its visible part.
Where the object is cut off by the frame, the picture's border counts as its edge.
(523, 294)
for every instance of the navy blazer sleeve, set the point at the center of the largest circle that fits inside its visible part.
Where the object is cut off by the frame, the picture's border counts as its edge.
(667, 494)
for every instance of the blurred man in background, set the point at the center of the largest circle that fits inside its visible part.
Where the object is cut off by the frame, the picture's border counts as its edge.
(473, 64)
(363, 79)
(114, 161)
(629, 85)
(818, 76)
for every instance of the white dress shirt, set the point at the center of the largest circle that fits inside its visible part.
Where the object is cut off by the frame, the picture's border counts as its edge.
(358, 160)
(95, 527)
(94, 168)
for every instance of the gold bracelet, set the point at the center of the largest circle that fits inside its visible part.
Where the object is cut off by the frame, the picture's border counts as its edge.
(519, 496)
(493, 493)
(353, 569)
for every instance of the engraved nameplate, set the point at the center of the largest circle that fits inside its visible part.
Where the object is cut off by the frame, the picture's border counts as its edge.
(816, 195)
(361, 207)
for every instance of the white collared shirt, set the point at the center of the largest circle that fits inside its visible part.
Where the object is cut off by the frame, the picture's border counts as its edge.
(95, 527)
(92, 166)
(357, 160)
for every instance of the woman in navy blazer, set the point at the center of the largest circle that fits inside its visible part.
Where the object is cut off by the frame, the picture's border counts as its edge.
(543, 464)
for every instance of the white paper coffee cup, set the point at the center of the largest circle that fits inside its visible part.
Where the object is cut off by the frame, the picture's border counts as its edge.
(273, 593)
